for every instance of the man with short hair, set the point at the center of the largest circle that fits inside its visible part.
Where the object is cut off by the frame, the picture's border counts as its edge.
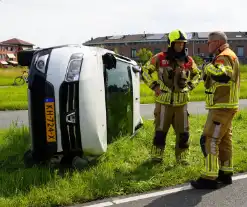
(222, 83)
(172, 75)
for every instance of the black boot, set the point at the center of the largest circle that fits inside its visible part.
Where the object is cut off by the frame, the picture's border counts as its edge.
(158, 147)
(203, 183)
(157, 154)
(225, 178)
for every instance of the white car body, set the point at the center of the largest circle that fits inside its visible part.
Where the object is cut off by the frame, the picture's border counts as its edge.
(89, 95)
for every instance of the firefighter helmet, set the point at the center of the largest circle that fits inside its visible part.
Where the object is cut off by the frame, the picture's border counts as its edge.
(176, 36)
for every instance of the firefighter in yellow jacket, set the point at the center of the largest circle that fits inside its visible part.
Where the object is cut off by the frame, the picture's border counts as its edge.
(222, 83)
(172, 75)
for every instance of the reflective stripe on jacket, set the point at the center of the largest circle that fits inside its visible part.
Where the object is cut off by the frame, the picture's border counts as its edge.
(160, 71)
(222, 81)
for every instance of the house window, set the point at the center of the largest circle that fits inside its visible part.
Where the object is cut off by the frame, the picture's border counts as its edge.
(240, 51)
(198, 50)
(133, 53)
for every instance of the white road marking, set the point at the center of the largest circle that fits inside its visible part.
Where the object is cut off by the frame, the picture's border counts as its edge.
(154, 194)
(150, 195)
(101, 204)
(239, 177)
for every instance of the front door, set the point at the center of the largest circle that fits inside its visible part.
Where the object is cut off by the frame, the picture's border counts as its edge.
(119, 100)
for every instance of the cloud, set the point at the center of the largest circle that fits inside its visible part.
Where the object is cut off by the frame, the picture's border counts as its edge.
(46, 22)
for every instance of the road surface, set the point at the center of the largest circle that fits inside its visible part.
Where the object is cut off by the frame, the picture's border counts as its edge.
(234, 195)
(7, 117)
(193, 108)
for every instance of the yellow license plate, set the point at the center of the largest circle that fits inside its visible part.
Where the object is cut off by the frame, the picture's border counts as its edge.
(50, 120)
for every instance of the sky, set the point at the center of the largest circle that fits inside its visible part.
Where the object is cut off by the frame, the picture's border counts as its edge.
(48, 23)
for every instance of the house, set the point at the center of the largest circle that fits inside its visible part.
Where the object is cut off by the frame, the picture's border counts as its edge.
(128, 45)
(9, 50)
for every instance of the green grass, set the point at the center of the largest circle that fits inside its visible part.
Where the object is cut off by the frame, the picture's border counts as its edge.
(7, 75)
(13, 98)
(122, 170)
(147, 95)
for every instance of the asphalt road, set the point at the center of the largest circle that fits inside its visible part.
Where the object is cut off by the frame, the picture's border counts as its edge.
(230, 196)
(8, 117)
(234, 195)
(193, 108)
(21, 117)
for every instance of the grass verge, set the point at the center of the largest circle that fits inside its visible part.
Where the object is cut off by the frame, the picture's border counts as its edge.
(8, 75)
(13, 98)
(122, 170)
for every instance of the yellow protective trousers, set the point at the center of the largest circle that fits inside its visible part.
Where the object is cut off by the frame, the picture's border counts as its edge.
(216, 142)
(177, 116)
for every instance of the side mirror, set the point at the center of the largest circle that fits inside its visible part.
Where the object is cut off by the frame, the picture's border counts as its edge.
(24, 57)
(109, 61)
(136, 69)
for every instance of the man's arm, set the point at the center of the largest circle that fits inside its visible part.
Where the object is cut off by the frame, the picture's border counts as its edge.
(194, 77)
(149, 70)
(221, 70)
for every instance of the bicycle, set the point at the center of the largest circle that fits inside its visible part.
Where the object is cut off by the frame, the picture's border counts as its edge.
(20, 80)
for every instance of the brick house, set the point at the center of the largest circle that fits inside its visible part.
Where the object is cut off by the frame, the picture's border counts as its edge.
(128, 45)
(9, 49)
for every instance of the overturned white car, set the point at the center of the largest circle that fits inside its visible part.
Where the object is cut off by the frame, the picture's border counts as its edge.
(79, 98)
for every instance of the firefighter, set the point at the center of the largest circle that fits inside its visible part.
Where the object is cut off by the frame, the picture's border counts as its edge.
(222, 86)
(171, 75)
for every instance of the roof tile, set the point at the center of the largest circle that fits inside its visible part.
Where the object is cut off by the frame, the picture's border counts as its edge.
(15, 41)
(156, 36)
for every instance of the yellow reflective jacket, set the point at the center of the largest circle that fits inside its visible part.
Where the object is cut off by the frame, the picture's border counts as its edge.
(175, 80)
(222, 80)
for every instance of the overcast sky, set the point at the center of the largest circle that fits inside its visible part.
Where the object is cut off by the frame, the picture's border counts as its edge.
(54, 22)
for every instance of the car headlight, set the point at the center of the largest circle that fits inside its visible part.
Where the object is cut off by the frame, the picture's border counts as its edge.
(41, 63)
(74, 67)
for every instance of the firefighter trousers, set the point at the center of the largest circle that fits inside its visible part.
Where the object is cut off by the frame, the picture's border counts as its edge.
(216, 142)
(177, 116)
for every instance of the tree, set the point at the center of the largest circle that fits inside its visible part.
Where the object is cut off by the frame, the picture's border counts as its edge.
(198, 60)
(144, 55)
